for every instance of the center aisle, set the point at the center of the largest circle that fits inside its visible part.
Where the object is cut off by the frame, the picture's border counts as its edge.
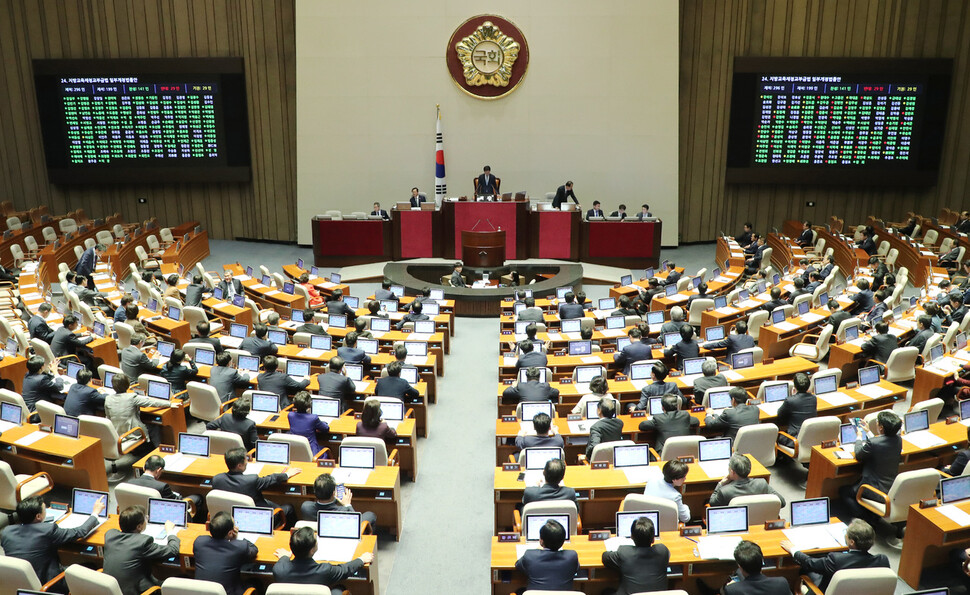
(445, 544)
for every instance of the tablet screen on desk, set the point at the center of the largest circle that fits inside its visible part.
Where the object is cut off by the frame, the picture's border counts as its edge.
(655, 405)
(268, 451)
(205, 357)
(636, 455)
(416, 348)
(98, 328)
(671, 339)
(852, 332)
(719, 398)
(325, 407)
(536, 458)
(739, 361)
(670, 290)
(353, 302)
(65, 425)
(410, 373)
(571, 325)
(338, 525)
(174, 313)
(250, 363)
(869, 375)
(825, 384)
(354, 371)
(389, 305)
(217, 293)
(431, 308)
(641, 371)
(251, 519)
(625, 520)
(955, 489)
(266, 402)
(159, 390)
(13, 414)
(321, 342)
(714, 449)
(814, 511)
(392, 410)
(277, 337)
(238, 331)
(424, 327)
(693, 365)
(439, 294)
(297, 316)
(397, 290)
(580, 347)
(803, 307)
(368, 346)
(72, 369)
(165, 348)
(160, 511)
(615, 322)
(776, 392)
(720, 301)
(562, 291)
(534, 523)
(727, 519)
(193, 444)
(607, 303)
(622, 342)
(916, 421)
(337, 320)
(714, 333)
(528, 410)
(297, 368)
(585, 374)
(357, 457)
(624, 280)
(12, 347)
(777, 316)
(82, 502)
(655, 317)
(847, 434)
(381, 325)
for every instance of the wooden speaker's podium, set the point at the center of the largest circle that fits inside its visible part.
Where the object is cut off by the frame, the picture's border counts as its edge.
(483, 249)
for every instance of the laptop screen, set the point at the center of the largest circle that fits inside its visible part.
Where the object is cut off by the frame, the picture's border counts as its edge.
(670, 290)
(410, 373)
(961, 341)
(776, 392)
(580, 347)
(193, 444)
(625, 520)
(814, 511)
(869, 375)
(743, 295)
(586, 374)
(622, 343)
(416, 348)
(647, 273)
(592, 409)
(325, 407)
(803, 307)
(238, 331)
(641, 371)
(250, 363)
(165, 348)
(159, 389)
(714, 333)
(431, 309)
(571, 325)
(73, 368)
(152, 305)
(693, 365)
(720, 301)
(266, 402)
(562, 291)
(368, 346)
(694, 282)
(936, 352)
(671, 339)
(916, 421)
(217, 293)
(606, 303)
(534, 523)
(321, 342)
(297, 368)
(424, 327)
(624, 280)
(338, 525)
(65, 425)
(631, 456)
(11, 413)
(742, 360)
(955, 489)
(357, 457)
(272, 452)
(655, 317)
(174, 313)
(252, 519)
(777, 316)
(82, 501)
(297, 316)
(531, 409)
(397, 290)
(536, 458)
(354, 371)
(352, 302)
(852, 332)
(615, 322)
(205, 357)
(392, 410)
(160, 511)
(299, 263)
(655, 405)
(439, 294)
(277, 337)
(337, 320)
(727, 519)
(714, 449)
(12, 346)
(847, 433)
(266, 280)
(719, 399)
(826, 384)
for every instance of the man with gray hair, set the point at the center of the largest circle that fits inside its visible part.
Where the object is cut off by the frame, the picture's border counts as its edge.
(134, 362)
(710, 379)
(859, 537)
(737, 483)
(676, 321)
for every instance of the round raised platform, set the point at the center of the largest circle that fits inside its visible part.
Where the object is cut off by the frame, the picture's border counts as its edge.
(486, 301)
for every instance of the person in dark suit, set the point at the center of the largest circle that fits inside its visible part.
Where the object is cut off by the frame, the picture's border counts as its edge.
(179, 370)
(639, 349)
(544, 434)
(384, 293)
(644, 213)
(350, 353)
(304, 423)
(879, 307)
(486, 185)
(775, 301)
(686, 348)
(230, 287)
(607, 429)
(828, 264)
(37, 542)
(38, 327)
(673, 275)
(737, 483)
(529, 357)
(959, 462)
(838, 315)
(563, 193)
(235, 480)
(378, 211)
(643, 565)
(134, 362)
(324, 490)
(129, 553)
(797, 408)
(619, 212)
(799, 290)
(221, 555)
(89, 260)
(303, 569)
(40, 384)
(416, 198)
(549, 568)
(711, 379)
(672, 422)
(882, 345)
(658, 388)
(226, 379)
(805, 238)
(861, 301)
(859, 537)
(280, 383)
(531, 389)
(195, 292)
(700, 295)
(596, 211)
(957, 309)
(393, 385)
(530, 312)
(750, 561)
(257, 344)
(65, 342)
(337, 305)
(309, 326)
(414, 314)
(237, 423)
(202, 327)
(570, 309)
(457, 280)
(82, 399)
(735, 417)
(880, 456)
(867, 243)
(745, 237)
(334, 383)
(626, 307)
(154, 467)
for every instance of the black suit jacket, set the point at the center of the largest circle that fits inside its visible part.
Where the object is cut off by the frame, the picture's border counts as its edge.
(548, 570)
(341, 307)
(281, 383)
(83, 400)
(214, 341)
(248, 485)
(417, 202)
(672, 278)
(147, 481)
(486, 187)
(311, 572)
(67, 343)
(608, 429)
(880, 461)
(531, 359)
(733, 419)
(641, 569)
(336, 385)
(395, 386)
(258, 347)
(41, 387)
(236, 285)
(226, 380)
(805, 237)
(562, 194)
(880, 347)
(633, 352)
(795, 410)
(221, 560)
(595, 213)
(39, 329)
(382, 213)
(178, 375)
(134, 363)
(759, 584)
(570, 311)
(531, 391)
(245, 428)
(37, 543)
(622, 216)
(683, 350)
(128, 557)
(548, 492)
(193, 295)
(668, 425)
(835, 561)
(313, 329)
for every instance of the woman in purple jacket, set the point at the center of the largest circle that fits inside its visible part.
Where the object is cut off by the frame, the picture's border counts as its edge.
(304, 423)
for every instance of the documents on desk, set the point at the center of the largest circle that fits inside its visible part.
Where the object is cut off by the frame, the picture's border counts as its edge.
(613, 543)
(639, 384)
(874, 391)
(230, 342)
(923, 439)
(178, 462)
(749, 303)
(955, 514)
(351, 476)
(522, 548)
(771, 409)
(836, 399)
(509, 360)
(643, 473)
(811, 317)
(582, 387)
(717, 547)
(715, 468)
(533, 477)
(6, 425)
(726, 310)
(308, 353)
(362, 386)
(815, 537)
(581, 426)
(253, 468)
(690, 378)
(732, 375)
(30, 438)
(785, 326)
(613, 332)
(552, 336)
(335, 549)
(74, 520)
(945, 365)
(259, 417)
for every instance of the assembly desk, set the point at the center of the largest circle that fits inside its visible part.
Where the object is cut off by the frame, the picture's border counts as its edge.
(930, 537)
(76, 462)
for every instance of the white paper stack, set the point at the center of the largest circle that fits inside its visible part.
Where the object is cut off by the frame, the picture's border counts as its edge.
(178, 462)
(522, 548)
(837, 399)
(771, 409)
(30, 438)
(811, 317)
(715, 468)
(334, 549)
(361, 385)
(784, 325)
(955, 514)
(642, 474)
(351, 476)
(717, 547)
(591, 359)
(509, 360)
(580, 427)
(732, 375)
(811, 538)
(873, 391)
(311, 353)
(253, 468)
(924, 439)
(553, 336)
(259, 417)
(613, 543)
(689, 379)
(73, 521)
(613, 332)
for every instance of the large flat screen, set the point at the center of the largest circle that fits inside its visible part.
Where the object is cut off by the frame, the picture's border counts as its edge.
(837, 120)
(144, 120)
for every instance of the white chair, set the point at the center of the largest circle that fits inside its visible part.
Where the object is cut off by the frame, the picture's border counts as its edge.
(104, 237)
(204, 401)
(8, 396)
(901, 365)
(381, 456)
(129, 494)
(125, 332)
(814, 351)
(756, 320)
(144, 261)
(761, 507)
(697, 309)
(18, 575)
(84, 581)
(153, 246)
(14, 224)
(759, 442)
(47, 410)
(907, 489)
(303, 589)
(222, 442)
(14, 488)
(18, 255)
(812, 433)
(856, 581)
(933, 406)
(166, 234)
(67, 225)
(50, 236)
(175, 585)
(116, 450)
(844, 325)
(78, 251)
(217, 501)
(299, 447)
(681, 446)
(604, 451)
(548, 507)
(669, 515)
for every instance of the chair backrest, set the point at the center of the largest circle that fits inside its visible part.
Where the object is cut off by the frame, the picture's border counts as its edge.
(604, 451)
(761, 507)
(930, 238)
(102, 429)
(546, 507)
(8, 396)
(18, 254)
(176, 585)
(104, 237)
(845, 324)
(758, 441)
(129, 494)
(13, 223)
(299, 446)
(8, 487)
(669, 515)
(125, 333)
(204, 401)
(909, 488)
(757, 351)
(697, 308)
(380, 449)
(891, 257)
(837, 372)
(755, 321)
(813, 432)
(78, 252)
(49, 234)
(681, 446)
(222, 501)
(166, 234)
(934, 340)
(42, 349)
(30, 243)
(934, 406)
(222, 442)
(47, 410)
(871, 581)
(902, 364)
(17, 574)
(290, 588)
(84, 581)
(152, 243)
(683, 283)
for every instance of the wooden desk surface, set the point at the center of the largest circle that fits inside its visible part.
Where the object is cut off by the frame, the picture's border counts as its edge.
(930, 537)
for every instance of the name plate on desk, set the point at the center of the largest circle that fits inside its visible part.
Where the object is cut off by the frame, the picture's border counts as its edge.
(686, 459)
(690, 531)
(511, 467)
(599, 535)
(828, 444)
(767, 360)
(776, 524)
(852, 384)
(166, 448)
(640, 413)
(574, 417)
(609, 350)
(509, 418)
(599, 465)
(620, 378)
(928, 503)
(510, 537)
(698, 409)
(952, 419)
(506, 332)
(325, 463)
